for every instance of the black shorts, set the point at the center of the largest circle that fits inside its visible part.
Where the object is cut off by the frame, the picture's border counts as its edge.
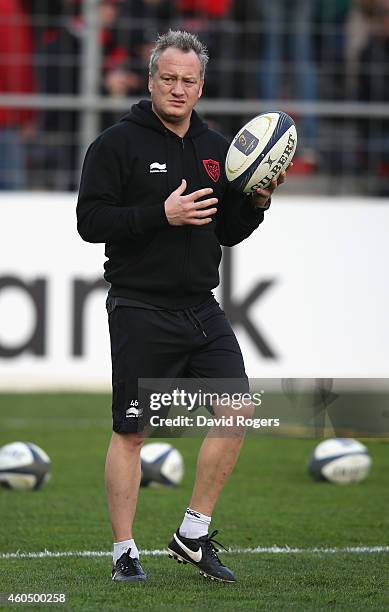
(193, 343)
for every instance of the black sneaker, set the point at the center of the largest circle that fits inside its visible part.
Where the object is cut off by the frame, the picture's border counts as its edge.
(202, 553)
(128, 569)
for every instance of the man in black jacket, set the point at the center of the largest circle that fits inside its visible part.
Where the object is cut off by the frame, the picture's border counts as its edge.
(154, 189)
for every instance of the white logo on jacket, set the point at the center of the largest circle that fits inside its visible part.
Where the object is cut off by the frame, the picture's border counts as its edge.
(157, 167)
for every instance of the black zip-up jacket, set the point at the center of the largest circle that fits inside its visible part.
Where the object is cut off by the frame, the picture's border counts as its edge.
(129, 171)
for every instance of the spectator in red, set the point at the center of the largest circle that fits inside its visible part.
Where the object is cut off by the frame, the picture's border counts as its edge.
(210, 8)
(16, 77)
(60, 50)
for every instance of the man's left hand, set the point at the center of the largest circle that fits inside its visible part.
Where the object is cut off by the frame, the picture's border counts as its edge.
(261, 196)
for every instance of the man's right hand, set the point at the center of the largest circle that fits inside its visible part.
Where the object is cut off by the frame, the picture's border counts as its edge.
(186, 210)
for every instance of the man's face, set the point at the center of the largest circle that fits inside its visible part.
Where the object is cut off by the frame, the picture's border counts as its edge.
(176, 86)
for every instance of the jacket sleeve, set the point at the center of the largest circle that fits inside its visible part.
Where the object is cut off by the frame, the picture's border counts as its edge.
(236, 218)
(102, 216)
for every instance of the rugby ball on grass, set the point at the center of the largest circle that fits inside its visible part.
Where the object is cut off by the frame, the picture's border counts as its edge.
(260, 151)
(162, 465)
(340, 460)
(24, 466)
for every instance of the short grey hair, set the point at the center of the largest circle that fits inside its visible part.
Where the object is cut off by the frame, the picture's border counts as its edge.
(178, 39)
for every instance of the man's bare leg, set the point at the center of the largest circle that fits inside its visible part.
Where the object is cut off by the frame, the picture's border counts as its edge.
(122, 479)
(217, 458)
(216, 461)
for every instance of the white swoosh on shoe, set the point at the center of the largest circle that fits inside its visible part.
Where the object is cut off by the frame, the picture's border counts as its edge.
(196, 556)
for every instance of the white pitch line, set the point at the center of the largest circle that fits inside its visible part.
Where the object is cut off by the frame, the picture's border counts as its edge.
(158, 553)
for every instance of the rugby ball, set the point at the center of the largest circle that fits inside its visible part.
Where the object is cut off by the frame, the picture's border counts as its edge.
(161, 465)
(340, 461)
(260, 151)
(23, 466)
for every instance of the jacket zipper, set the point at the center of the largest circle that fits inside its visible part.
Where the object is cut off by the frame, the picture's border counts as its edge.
(188, 237)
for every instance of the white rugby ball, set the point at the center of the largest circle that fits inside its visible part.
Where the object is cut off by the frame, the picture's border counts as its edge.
(260, 151)
(162, 465)
(340, 460)
(24, 466)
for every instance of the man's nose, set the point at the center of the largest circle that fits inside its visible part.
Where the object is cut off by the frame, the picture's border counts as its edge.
(178, 88)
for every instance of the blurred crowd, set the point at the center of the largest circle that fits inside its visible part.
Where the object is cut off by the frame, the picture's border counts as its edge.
(308, 50)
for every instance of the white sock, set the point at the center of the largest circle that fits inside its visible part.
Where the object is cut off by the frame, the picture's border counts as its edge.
(121, 547)
(194, 524)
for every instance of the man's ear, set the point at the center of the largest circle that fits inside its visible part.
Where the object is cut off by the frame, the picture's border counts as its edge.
(201, 89)
(150, 83)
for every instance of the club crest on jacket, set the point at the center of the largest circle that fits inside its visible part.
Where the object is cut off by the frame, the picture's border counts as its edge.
(212, 168)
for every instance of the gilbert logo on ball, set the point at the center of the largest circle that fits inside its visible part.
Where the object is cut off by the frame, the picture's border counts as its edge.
(260, 151)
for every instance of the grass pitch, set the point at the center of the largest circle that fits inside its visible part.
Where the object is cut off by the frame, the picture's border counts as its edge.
(269, 501)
